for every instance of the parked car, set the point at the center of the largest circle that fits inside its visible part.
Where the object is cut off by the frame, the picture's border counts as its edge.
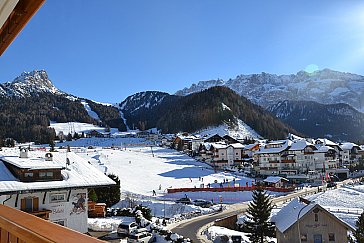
(202, 203)
(140, 235)
(127, 228)
(184, 200)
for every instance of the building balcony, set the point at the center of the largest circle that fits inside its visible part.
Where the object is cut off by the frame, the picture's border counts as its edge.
(44, 214)
(288, 161)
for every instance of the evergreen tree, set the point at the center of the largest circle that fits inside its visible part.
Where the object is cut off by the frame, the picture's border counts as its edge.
(69, 137)
(111, 194)
(359, 232)
(257, 223)
(92, 195)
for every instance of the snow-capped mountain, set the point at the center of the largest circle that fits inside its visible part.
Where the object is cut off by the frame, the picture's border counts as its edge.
(142, 100)
(335, 121)
(240, 130)
(325, 86)
(31, 101)
(210, 108)
(28, 84)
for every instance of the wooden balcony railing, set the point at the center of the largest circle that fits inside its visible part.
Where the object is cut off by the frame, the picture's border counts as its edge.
(21, 227)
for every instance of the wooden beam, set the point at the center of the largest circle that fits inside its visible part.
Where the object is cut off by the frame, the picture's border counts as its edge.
(24, 227)
(19, 17)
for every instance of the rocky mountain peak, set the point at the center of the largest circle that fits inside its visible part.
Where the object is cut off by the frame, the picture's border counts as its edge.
(29, 83)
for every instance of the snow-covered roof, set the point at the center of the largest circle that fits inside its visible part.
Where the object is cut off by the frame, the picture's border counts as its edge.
(299, 145)
(323, 149)
(327, 142)
(289, 214)
(36, 163)
(348, 146)
(237, 145)
(219, 145)
(79, 173)
(274, 179)
(285, 144)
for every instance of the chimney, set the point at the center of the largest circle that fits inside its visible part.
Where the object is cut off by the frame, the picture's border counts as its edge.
(48, 157)
(23, 153)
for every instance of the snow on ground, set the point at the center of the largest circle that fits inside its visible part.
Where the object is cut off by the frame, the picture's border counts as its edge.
(106, 142)
(345, 203)
(90, 112)
(241, 131)
(144, 169)
(79, 127)
(107, 224)
(214, 232)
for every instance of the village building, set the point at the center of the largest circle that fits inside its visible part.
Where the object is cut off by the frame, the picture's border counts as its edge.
(350, 154)
(213, 139)
(98, 134)
(302, 221)
(52, 186)
(229, 140)
(268, 159)
(326, 159)
(275, 181)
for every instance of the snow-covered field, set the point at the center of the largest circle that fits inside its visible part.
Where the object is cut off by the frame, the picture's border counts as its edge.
(346, 202)
(144, 169)
(79, 127)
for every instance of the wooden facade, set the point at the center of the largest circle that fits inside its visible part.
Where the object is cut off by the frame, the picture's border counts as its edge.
(318, 225)
(33, 175)
(17, 19)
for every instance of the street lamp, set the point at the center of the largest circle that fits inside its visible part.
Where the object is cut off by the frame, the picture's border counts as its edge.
(298, 220)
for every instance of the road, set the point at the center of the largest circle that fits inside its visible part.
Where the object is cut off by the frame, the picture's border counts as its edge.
(193, 228)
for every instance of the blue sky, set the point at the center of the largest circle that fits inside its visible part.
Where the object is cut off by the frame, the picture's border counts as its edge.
(106, 50)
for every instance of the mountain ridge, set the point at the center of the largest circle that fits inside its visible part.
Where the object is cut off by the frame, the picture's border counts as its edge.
(336, 121)
(323, 86)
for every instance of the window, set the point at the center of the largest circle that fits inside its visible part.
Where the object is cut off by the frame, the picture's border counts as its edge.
(304, 237)
(57, 198)
(331, 237)
(28, 174)
(29, 204)
(46, 174)
(60, 222)
(316, 217)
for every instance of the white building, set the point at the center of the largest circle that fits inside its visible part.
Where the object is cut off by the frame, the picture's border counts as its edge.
(49, 185)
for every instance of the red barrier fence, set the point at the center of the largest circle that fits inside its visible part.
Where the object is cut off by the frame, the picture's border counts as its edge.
(229, 189)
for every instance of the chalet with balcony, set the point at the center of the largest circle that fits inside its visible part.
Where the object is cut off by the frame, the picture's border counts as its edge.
(52, 186)
(326, 159)
(268, 159)
(326, 142)
(300, 156)
(350, 154)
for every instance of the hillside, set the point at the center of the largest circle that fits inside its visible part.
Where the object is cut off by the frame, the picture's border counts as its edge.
(337, 121)
(209, 108)
(31, 101)
(325, 86)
